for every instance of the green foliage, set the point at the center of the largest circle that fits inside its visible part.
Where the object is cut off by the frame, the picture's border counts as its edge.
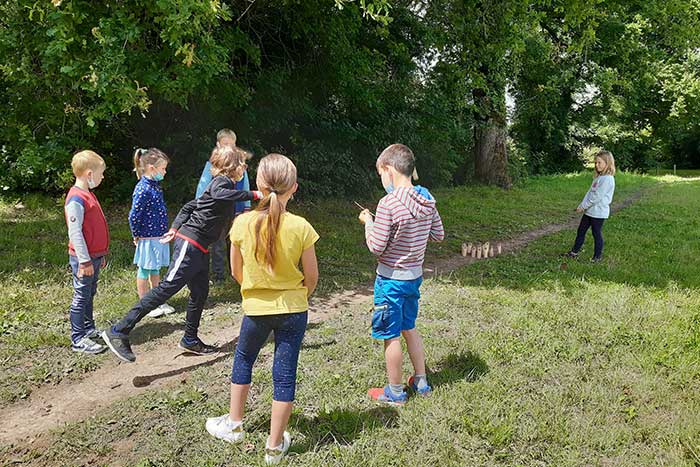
(333, 82)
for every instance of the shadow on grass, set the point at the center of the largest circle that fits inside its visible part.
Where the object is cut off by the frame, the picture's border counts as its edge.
(466, 366)
(340, 426)
(225, 350)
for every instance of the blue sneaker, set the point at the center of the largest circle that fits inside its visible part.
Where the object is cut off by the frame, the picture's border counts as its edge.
(385, 395)
(426, 391)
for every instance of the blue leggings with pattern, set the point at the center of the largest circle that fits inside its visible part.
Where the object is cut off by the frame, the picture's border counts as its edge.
(288, 331)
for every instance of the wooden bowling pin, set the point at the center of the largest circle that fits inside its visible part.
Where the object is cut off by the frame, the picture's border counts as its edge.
(464, 249)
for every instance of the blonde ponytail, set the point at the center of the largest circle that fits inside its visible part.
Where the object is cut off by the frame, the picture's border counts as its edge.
(137, 162)
(277, 175)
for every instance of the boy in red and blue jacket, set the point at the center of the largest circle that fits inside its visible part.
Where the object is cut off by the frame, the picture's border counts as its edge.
(88, 245)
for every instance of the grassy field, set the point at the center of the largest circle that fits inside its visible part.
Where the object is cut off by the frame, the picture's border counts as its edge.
(534, 362)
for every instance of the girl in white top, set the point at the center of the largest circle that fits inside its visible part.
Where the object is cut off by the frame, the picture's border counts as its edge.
(596, 205)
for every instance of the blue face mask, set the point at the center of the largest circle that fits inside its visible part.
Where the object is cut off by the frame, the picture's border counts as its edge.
(158, 177)
(389, 188)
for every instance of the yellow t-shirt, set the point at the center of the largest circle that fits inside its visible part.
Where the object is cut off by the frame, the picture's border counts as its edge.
(281, 291)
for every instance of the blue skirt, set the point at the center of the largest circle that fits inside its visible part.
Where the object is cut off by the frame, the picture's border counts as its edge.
(151, 254)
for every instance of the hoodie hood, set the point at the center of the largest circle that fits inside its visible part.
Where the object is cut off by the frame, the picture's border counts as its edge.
(418, 200)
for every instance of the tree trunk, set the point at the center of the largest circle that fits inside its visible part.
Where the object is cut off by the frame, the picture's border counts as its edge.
(490, 154)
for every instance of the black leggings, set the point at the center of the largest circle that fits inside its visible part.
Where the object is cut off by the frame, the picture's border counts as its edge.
(596, 226)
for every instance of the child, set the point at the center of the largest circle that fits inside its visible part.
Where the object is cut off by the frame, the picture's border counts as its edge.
(219, 249)
(266, 248)
(196, 226)
(406, 218)
(148, 220)
(88, 245)
(596, 205)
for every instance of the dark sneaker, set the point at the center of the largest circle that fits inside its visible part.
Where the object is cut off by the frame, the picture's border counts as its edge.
(119, 346)
(426, 391)
(570, 254)
(596, 259)
(385, 395)
(200, 348)
(87, 345)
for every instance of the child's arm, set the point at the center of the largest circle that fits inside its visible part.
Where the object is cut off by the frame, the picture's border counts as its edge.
(236, 263)
(220, 191)
(183, 215)
(75, 214)
(310, 266)
(377, 232)
(136, 213)
(437, 231)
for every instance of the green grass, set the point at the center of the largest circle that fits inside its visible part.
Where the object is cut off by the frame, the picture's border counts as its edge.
(35, 278)
(532, 364)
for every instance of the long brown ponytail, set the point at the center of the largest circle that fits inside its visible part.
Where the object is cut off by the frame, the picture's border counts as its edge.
(276, 175)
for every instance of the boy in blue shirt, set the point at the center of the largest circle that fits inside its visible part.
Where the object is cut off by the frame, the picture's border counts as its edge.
(219, 249)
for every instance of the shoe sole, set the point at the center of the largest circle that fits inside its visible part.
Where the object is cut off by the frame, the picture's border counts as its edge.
(180, 346)
(104, 348)
(105, 338)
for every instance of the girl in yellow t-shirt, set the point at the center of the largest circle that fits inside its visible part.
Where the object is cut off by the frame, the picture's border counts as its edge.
(267, 246)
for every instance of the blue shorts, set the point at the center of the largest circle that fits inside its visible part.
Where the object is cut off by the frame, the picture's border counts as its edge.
(395, 306)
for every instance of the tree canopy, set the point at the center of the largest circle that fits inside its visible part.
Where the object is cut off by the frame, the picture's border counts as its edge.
(481, 90)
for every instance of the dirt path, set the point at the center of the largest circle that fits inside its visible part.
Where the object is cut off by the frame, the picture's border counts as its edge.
(53, 406)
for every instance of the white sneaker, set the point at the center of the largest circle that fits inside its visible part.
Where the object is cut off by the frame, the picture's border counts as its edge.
(275, 455)
(167, 309)
(224, 428)
(87, 345)
(156, 313)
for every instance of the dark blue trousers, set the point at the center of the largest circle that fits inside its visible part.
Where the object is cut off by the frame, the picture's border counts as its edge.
(596, 225)
(189, 267)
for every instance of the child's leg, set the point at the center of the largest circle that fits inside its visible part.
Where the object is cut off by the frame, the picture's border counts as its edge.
(89, 319)
(393, 356)
(416, 352)
(581, 233)
(154, 279)
(414, 343)
(597, 229)
(218, 259)
(82, 293)
(289, 332)
(142, 285)
(186, 263)
(252, 337)
(199, 291)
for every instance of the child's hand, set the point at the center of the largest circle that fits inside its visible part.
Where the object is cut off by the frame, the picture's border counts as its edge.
(136, 241)
(103, 263)
(86, 269)
(365, 216)
(168, 237)
(579, 209)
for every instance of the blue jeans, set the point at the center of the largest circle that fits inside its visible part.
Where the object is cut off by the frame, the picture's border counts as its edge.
(84, 290)
(395, 306)
(289, 331)
(218, 251)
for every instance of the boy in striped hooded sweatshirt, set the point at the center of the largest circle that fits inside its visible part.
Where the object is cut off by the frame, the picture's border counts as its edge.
(406, 219)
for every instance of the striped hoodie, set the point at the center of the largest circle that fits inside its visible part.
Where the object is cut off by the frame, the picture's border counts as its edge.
(406, 218)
